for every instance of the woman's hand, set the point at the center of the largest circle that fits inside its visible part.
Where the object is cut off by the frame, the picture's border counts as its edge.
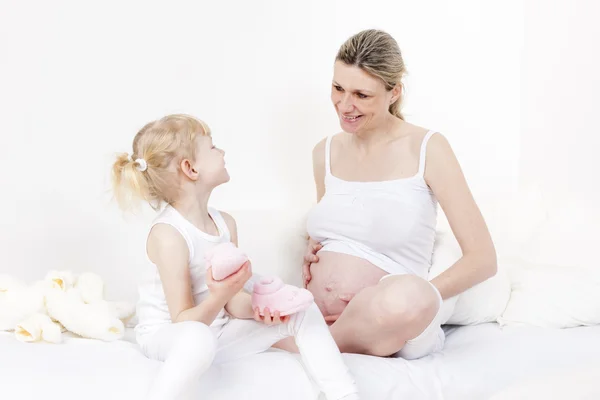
(269, 319)
(310, 257)
(230, 286)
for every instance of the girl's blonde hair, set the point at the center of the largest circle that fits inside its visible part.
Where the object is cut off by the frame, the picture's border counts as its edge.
(159, 146)
(377, 53)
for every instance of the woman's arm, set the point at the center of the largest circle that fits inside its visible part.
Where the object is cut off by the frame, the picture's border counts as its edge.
(445, 177)
(169, 252)
(310, 256)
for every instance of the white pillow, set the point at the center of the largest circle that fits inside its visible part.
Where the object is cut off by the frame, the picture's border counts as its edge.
(552, 297)
(569, 237)
(557, 282)
(482, 303)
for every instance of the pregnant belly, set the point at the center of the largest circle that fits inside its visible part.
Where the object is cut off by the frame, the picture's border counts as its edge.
(338, 274)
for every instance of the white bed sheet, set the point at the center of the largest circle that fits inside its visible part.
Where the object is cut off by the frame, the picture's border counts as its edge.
(476, 362)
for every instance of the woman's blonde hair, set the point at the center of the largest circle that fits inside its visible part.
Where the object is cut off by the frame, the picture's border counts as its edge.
(151, 172)
(377, 53)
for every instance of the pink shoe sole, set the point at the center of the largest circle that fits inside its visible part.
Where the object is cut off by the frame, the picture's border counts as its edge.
(272, 293)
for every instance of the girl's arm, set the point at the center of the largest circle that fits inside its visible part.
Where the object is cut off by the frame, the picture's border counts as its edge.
(169, 252)
(240, 305)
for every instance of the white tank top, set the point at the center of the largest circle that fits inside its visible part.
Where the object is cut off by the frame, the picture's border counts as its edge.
(390, 223)
(152, 309)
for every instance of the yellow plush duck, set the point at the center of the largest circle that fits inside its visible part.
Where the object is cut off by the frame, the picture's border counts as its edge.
(61, 302)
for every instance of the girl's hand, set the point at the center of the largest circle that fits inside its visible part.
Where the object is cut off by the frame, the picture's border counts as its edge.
(230, 286)
(268, 319)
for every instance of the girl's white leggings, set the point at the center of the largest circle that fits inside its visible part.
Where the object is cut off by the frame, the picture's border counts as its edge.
(188, 349)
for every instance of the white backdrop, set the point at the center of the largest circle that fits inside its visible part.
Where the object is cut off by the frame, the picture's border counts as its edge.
(78, 79)
(560, 96)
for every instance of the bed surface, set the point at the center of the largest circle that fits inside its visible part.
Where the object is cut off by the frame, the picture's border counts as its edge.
(476, 362)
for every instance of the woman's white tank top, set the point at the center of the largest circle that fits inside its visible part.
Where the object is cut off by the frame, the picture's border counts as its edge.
(388, 223)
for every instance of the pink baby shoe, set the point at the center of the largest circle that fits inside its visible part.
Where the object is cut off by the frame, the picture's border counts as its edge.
(271, 292)
(225, 259)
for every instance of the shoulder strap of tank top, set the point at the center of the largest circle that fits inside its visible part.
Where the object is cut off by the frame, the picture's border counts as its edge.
(423, 153)
(328, 155)
(173, 220)
(220, 222)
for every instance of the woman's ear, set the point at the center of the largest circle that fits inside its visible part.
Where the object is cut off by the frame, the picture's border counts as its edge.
(396, 93)
(188, 169)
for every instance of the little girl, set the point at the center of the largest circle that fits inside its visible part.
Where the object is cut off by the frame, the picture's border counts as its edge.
(186, 318)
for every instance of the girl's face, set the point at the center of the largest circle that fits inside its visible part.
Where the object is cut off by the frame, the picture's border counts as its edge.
(210, 163)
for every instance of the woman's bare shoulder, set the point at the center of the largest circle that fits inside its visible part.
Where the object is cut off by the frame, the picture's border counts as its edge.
(410, 138)
(337, 139)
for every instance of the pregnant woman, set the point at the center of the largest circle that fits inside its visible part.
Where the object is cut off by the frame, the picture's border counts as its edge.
(372, 232)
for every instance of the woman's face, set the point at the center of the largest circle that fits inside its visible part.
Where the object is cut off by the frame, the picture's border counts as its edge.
(360, 99)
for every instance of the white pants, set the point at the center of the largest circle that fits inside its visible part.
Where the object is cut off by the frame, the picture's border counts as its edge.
(429, 341)
(189, 348)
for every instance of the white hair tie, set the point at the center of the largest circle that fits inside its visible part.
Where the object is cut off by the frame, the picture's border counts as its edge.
(142, 164)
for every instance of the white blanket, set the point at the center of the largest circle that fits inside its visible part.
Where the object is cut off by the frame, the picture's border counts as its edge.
(477, 362)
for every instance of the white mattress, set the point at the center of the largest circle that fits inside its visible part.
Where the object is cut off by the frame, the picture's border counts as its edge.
(476, 362)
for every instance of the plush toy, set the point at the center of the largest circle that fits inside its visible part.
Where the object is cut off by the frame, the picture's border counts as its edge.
(39, 327)
(61, 302)
(268, 292)
(19, 301)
